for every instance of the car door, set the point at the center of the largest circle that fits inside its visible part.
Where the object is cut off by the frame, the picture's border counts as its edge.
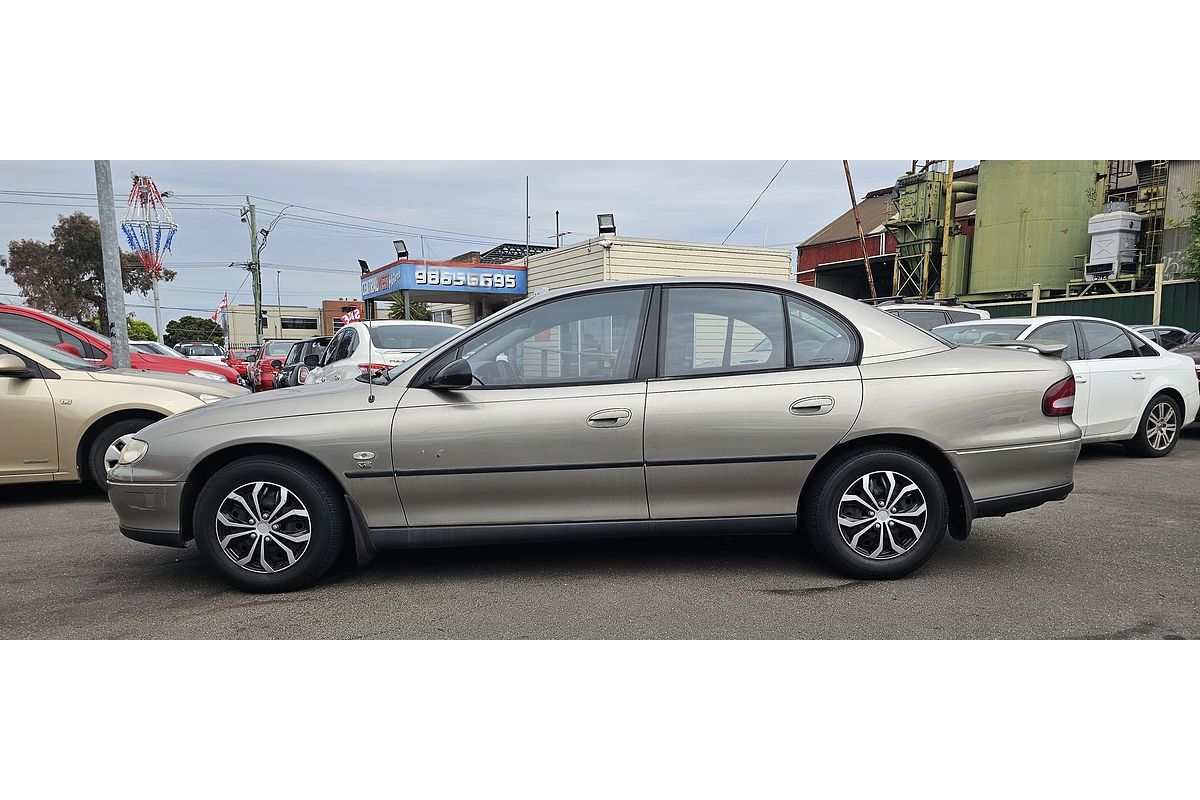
(343, 365)
(728, 435)
(1064, 331)
(30, 444)
(1117, 376)
(551, 429)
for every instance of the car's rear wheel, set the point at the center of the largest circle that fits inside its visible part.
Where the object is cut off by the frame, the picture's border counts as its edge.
(1158, 431)
(269, 523)
(877, 513)
(106, 446)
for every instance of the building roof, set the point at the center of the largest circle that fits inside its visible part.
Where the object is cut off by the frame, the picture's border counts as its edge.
(874, 209)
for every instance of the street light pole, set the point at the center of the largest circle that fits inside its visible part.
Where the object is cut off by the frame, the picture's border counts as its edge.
(114, 287)
(278, 302)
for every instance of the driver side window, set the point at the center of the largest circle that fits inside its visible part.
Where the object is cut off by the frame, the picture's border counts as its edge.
(584, 339)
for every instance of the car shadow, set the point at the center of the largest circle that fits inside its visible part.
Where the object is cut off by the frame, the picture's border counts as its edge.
(30, 494)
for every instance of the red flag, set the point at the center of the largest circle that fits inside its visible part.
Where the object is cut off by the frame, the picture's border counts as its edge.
(223, 305)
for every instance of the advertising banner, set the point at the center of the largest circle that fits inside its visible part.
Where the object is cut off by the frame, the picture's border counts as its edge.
(444, 276)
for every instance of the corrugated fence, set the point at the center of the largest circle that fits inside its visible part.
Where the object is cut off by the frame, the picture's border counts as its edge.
(1180, 306)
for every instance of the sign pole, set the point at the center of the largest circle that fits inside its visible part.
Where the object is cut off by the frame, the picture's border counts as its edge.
(114, 288)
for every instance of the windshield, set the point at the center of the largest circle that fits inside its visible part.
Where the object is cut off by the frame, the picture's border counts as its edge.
(410, 337)
(192, 350)
(979, 334)
(58, 358)
(276, 349)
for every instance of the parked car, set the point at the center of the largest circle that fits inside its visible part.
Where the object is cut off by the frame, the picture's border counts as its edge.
(239, 360)
(304, 355)
(203, 351)
(1166, 336)
(931, 315)
(153, 348)
(91, 346)
(65, 417)
(1191, 349)
(614, 410)
(261, 372)
(360, 347)
(1128, 390)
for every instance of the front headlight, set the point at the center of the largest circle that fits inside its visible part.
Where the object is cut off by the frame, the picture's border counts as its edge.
(203, 373)
(132, 452)
(210, 398)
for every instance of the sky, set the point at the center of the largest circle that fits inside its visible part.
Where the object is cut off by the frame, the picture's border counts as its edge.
(312, 254)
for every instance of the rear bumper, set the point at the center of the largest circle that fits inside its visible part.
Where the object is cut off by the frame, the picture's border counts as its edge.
(999, 506)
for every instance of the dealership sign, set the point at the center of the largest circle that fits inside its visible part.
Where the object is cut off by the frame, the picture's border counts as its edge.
(444, 276)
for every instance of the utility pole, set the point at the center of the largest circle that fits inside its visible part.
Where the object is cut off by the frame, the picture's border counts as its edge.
(862, 239)
(255, 269)
(949, 220)
(114, 287)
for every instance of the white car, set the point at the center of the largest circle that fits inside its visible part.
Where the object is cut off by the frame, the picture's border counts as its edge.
(202, 351)
(931, 315)
(1126, 388)
(154, 348)
(363, 347)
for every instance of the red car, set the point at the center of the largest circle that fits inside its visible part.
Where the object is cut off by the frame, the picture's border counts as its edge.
(262, 369)
(77, 340)
(239, 360)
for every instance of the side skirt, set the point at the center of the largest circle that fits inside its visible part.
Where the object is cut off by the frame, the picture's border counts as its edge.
(459, 535)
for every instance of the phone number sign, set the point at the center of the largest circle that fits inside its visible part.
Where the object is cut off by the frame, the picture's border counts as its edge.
(445, 277)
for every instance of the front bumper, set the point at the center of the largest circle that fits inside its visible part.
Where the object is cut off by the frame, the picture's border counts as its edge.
(148, 512)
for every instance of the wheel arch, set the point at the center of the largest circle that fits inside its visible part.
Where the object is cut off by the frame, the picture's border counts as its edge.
(100, 423)
(208, 466)
(961, 504)
(1171, 392)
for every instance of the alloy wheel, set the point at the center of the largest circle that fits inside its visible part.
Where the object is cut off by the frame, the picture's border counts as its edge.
(882, 515)
(262, 527)
(1161, 426)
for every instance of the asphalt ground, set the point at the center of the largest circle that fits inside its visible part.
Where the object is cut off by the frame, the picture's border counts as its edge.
(1118, 559)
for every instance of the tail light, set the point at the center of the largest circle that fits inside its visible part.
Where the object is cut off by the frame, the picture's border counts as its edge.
(1059, 399)
(371, 369)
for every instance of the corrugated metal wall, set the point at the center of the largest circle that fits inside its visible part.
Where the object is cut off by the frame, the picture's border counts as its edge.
(650, 258)
(1180, 306)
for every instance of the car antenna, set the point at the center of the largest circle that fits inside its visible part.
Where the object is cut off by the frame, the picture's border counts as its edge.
(370, 374)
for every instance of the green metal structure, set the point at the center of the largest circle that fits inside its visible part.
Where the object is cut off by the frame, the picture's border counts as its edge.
(1031, 224)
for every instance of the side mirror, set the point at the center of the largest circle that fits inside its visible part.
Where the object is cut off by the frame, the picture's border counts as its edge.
(12, 366)
(312, 360)
(276, 364)
(455, 375)
(67, 347)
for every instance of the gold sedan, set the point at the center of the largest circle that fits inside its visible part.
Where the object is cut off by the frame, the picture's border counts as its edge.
(63, 419)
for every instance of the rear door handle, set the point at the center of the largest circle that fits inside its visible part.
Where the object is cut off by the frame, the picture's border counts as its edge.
(610, 418)
(811, 406)
(1137, 376)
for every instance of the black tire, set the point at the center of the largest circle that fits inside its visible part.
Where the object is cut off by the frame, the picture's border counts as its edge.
(820, 512)
(328, 525)
(96, 471)
(1143, 443)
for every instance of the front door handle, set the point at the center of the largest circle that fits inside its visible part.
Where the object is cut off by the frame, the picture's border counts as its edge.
(1137, 376)
(610, 418)
(811, 406)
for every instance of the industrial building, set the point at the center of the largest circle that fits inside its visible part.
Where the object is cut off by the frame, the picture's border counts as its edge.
(1070, 228)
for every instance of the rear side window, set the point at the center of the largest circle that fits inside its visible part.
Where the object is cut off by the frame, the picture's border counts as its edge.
(962, 316)
(1060, 332)
(922, 318)
(711, 331)
(1169, 339)
(1106, 341)
(818, 338)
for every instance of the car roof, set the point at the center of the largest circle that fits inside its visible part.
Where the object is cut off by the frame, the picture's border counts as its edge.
(1036, 321)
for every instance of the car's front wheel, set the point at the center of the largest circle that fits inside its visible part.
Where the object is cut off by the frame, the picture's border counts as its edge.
(875, 513)
(269, 523)
(1158, 430)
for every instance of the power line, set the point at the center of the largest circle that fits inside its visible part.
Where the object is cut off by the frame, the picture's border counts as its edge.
(752, 205)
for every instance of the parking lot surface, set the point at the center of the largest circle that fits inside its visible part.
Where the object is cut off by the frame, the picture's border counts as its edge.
(1120, 558)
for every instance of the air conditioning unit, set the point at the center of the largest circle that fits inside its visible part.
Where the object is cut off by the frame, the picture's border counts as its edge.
(1114, 242)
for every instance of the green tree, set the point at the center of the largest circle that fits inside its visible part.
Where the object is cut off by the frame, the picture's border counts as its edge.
(415, 310)
(1191, 254)
(141, 330)
(192, 329)
(65, 276)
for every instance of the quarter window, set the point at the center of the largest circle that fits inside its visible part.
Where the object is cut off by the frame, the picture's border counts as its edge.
(1106, 341)
(1169, 338)
(1060, 332)
(711, 331)
(584, 339)
(818, 338)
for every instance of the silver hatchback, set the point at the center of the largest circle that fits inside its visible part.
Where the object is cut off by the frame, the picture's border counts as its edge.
(664, 406)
